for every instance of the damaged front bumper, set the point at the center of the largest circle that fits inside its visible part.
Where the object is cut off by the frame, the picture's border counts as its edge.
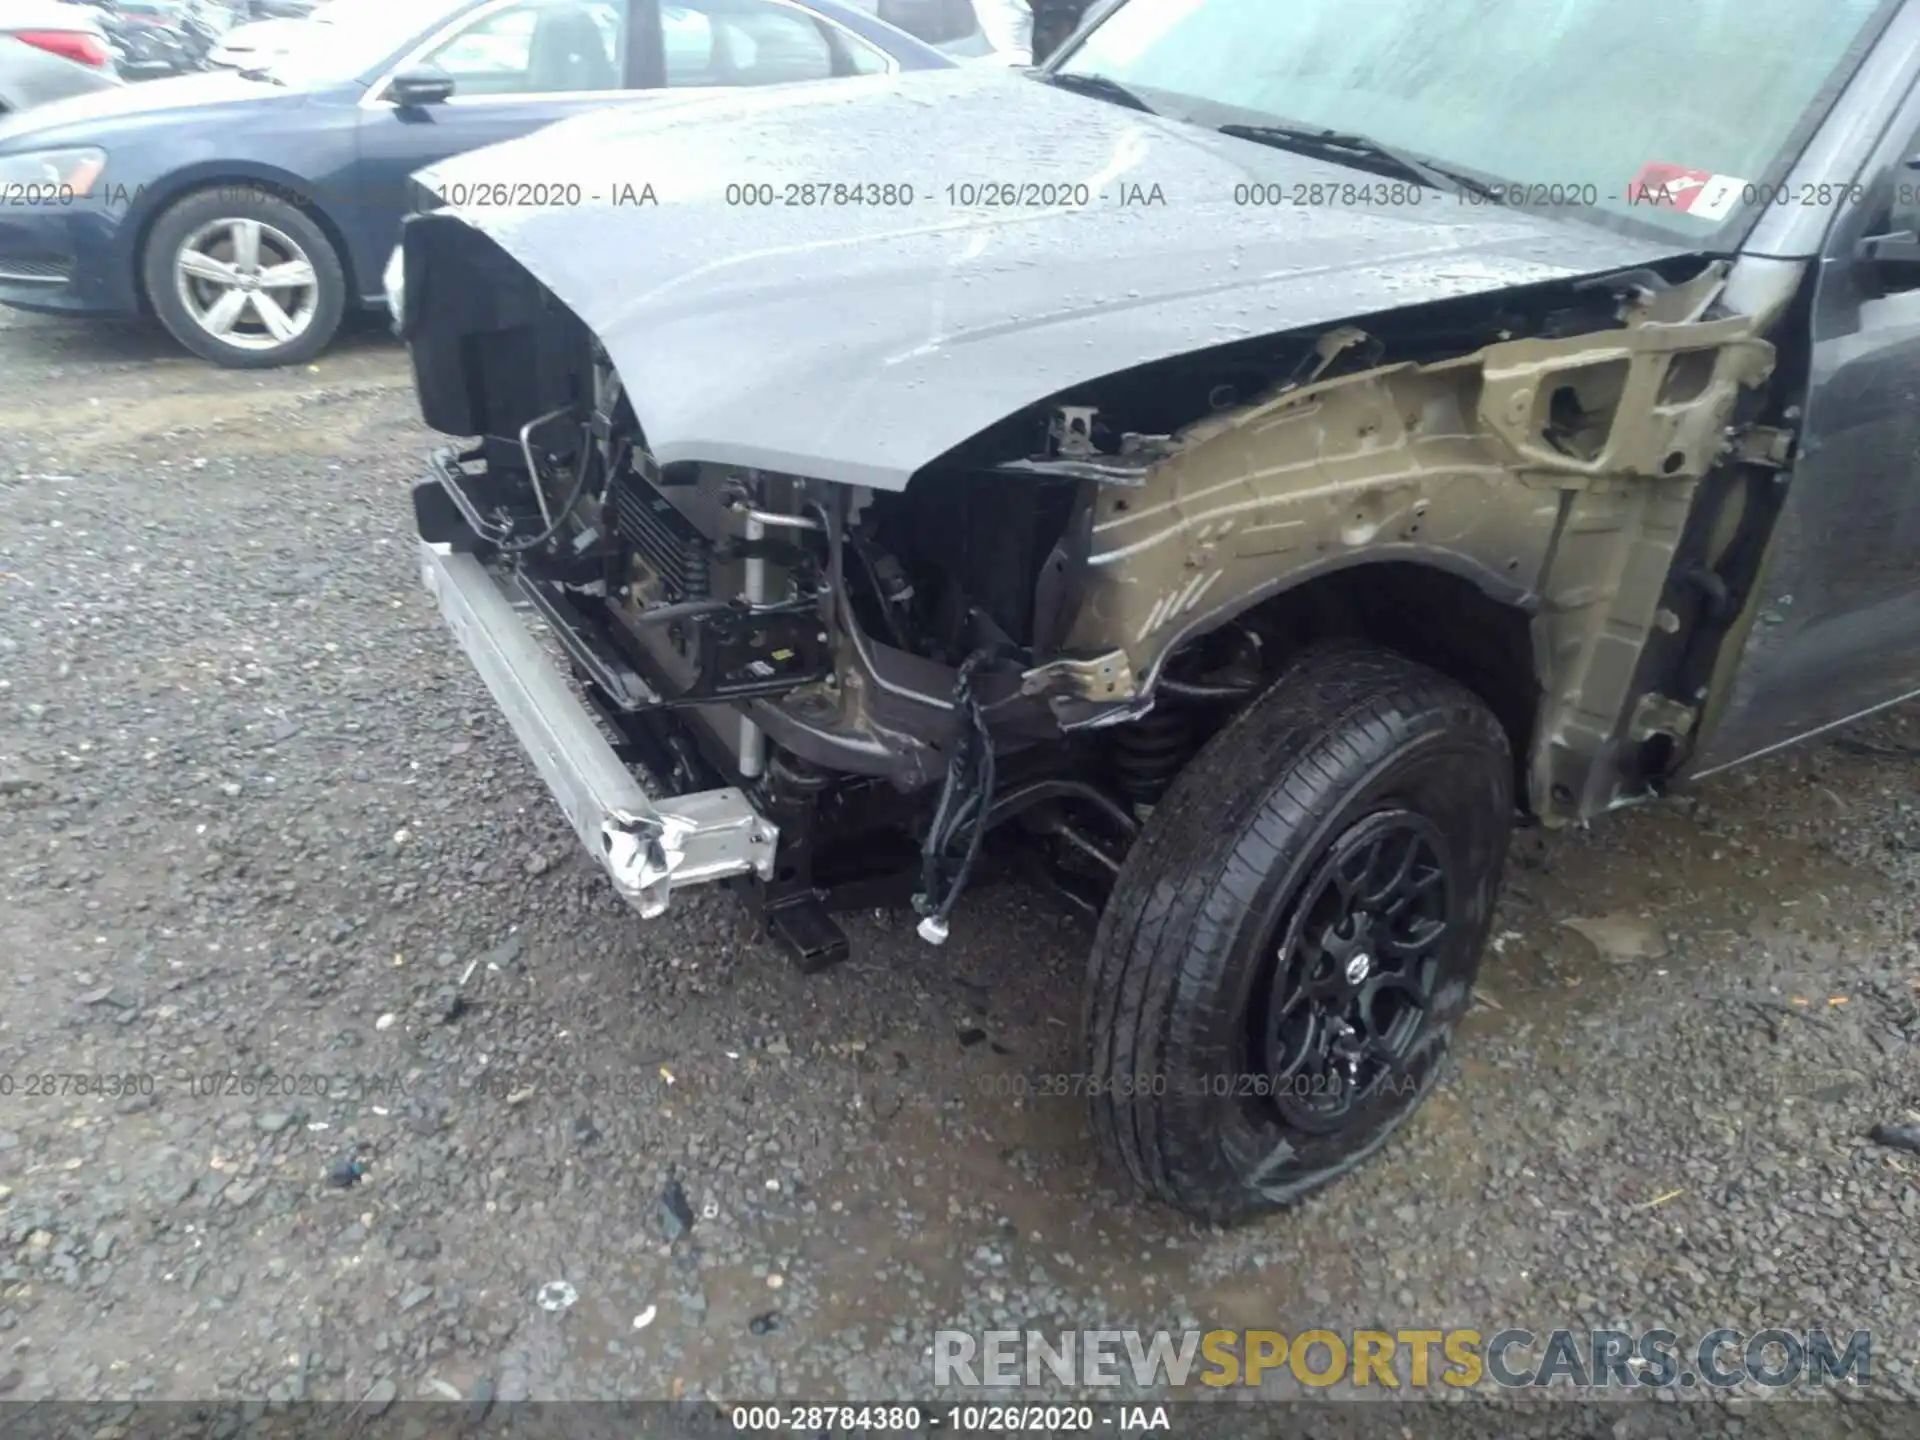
(647, 849)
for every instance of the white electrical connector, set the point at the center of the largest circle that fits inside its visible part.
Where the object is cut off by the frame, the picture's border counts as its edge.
(933, 930)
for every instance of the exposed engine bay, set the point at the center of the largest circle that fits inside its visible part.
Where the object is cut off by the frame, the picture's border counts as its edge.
(1031, 639)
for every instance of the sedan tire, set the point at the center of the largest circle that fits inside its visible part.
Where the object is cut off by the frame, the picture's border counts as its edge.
(248, 281)
(1279, 970)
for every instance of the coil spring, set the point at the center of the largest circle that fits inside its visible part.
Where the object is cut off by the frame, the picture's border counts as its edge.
(699, 577)
(1148, 753)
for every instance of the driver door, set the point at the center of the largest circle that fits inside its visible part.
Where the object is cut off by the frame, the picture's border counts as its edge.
(1838, 629)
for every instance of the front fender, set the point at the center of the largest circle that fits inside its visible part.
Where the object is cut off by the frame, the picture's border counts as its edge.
(1466, 465)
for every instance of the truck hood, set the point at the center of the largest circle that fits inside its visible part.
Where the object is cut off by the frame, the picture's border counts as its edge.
(856, 342)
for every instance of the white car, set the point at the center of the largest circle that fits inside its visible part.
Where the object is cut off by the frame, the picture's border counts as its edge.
(260, 42)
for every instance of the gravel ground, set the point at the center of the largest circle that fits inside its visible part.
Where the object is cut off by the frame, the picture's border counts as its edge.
(262, 822)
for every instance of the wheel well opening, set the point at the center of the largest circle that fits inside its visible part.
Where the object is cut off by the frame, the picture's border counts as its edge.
(1430, 615)
(303, 203)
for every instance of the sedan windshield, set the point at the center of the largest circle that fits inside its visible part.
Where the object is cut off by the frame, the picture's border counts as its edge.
(1673, 114)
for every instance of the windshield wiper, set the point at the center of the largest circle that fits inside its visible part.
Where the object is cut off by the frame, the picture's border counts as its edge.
(1100, 86)
(1338, 145)
(262, 72)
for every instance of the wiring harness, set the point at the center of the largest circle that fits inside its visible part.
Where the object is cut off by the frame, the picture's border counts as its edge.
(965, 808)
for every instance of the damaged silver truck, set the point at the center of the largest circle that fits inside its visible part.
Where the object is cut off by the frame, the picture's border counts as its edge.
(1234, 472)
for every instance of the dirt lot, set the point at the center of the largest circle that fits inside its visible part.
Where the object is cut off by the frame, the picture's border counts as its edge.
(399, 1059)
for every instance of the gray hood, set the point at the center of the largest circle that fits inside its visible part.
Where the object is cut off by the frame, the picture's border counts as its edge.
(857, 342)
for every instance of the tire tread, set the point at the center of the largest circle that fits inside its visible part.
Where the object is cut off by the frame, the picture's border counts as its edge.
(1199, 866)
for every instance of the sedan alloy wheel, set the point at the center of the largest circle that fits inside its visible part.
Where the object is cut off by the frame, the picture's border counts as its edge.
(246, 283)
(250, 281)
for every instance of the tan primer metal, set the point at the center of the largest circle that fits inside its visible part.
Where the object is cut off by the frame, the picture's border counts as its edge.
(1450, 464)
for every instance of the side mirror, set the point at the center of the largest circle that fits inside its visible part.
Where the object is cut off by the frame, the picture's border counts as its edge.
(419, 87)
(1900, 245)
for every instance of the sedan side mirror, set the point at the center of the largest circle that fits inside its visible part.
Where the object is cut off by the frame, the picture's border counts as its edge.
(419, 87)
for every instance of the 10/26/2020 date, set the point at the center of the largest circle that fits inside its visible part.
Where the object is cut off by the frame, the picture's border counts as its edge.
(45, 1084)
(540, 195)
(964, 194)
(814, 1419)
(799, 194)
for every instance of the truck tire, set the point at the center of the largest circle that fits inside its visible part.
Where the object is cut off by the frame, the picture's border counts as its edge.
(1286, 951)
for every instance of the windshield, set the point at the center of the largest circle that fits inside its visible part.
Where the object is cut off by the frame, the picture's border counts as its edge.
(1672, 114)
(347, 38)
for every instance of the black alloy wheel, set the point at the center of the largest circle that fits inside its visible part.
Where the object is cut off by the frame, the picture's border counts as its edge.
(1291, 941)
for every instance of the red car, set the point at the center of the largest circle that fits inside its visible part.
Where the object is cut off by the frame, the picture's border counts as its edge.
(49, 51)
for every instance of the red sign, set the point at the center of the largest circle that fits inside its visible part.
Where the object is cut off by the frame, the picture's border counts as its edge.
(1667, 187)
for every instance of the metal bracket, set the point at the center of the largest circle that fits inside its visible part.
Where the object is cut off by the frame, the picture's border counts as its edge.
(704, 836)
(624, 687)
(1328, 349)
(1138, 456)
(1764, 446)
(1072, 432)
(646, 848)
(1101, 679)
(1660, 715)
(446, 464)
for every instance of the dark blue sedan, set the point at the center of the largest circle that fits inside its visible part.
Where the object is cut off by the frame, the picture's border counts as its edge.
(248, 211)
